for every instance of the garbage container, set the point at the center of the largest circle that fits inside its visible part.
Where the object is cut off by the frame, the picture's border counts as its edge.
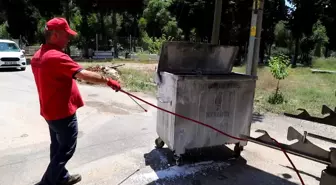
(196, 80)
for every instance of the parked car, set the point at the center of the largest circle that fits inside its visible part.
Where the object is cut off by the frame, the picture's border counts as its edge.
(11, 56)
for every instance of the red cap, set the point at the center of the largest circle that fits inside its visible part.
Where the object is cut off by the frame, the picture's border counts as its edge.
(59, 24)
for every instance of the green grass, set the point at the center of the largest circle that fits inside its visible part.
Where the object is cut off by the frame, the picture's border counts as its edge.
(138, 81)
(132, 79)
(325, 63)
(301, 89)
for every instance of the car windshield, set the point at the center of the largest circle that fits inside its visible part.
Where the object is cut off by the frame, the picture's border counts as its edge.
(8, 47)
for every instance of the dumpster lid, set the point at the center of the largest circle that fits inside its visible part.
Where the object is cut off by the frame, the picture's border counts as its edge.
(200, 58)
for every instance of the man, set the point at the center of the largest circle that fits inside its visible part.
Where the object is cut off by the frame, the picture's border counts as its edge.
(55, 73)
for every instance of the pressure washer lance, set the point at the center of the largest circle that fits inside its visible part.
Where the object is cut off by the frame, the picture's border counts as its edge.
(128, 177)
(208, 126)
(137, 103)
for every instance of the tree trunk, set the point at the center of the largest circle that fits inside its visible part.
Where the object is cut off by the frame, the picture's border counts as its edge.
(277, 88)
(326, 54)
(67, 16)
(317, 51)
(102, 28)
(135, 23)
(270, 48)
(85, 27)
(187, 34)
(114, 30)
(296, 52)
(262, 52)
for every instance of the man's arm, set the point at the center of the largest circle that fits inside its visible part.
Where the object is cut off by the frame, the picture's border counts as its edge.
(92, 77)
(67, 67)
(96, 78)
(70, 68)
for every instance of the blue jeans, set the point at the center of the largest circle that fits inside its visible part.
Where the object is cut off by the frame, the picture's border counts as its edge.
(63, 135)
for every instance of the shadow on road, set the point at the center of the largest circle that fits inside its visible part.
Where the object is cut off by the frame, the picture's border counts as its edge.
(257, 117)
(213, 166)
(302, 172)
(161, 159)
(10, 70)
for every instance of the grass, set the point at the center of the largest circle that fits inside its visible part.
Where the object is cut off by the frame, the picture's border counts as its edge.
(325, 63)
(135, 80)
(301, 89)
(138, 81)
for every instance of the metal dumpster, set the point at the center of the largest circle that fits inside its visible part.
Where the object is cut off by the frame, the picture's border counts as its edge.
(195, 80)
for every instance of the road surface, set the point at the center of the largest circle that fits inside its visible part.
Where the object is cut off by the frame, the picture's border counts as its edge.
(116, 144)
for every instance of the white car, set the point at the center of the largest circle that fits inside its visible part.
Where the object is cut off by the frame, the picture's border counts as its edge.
(11, 56)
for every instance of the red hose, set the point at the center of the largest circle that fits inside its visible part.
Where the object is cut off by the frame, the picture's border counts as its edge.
(284, 151)
(213, 128)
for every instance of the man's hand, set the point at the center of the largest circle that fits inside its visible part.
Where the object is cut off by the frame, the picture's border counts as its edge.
(114, 85)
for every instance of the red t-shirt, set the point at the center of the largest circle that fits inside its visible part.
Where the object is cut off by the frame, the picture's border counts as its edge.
(54, 73)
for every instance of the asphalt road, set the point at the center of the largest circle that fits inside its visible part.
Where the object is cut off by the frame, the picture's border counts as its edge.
(116, 144)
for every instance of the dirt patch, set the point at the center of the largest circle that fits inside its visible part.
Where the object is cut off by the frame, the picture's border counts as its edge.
(102, 107)
(135, 77)
(110, 71)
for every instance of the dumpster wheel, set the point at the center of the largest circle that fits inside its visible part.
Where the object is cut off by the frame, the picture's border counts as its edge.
(159, 143)
(237, 150)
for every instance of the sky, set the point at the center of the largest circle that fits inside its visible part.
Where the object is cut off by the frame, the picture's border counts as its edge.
(289, 4)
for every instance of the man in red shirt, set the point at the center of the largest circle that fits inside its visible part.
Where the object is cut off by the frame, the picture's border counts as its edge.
(55, 73)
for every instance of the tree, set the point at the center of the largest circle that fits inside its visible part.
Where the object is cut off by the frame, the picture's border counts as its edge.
(3, 31)
(304, 10)
(22, 19)
(85, 8)
(2, 13)
(191, 20)
(279, 69)
(319, 37)
(48, 9)
(282, 35)
(189, 13)
(328, 19)
(159, 20)
(274, 11)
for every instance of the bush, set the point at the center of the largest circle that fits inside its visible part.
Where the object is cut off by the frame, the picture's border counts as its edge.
(153, 45)
(3, 31)
(276, 98)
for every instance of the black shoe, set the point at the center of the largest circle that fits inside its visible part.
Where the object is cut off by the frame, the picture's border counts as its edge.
(73, 179)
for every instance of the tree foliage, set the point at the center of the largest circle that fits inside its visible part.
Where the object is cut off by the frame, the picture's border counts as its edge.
(302, 31)
(22, 18)
(279, 69)
(279, 66)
